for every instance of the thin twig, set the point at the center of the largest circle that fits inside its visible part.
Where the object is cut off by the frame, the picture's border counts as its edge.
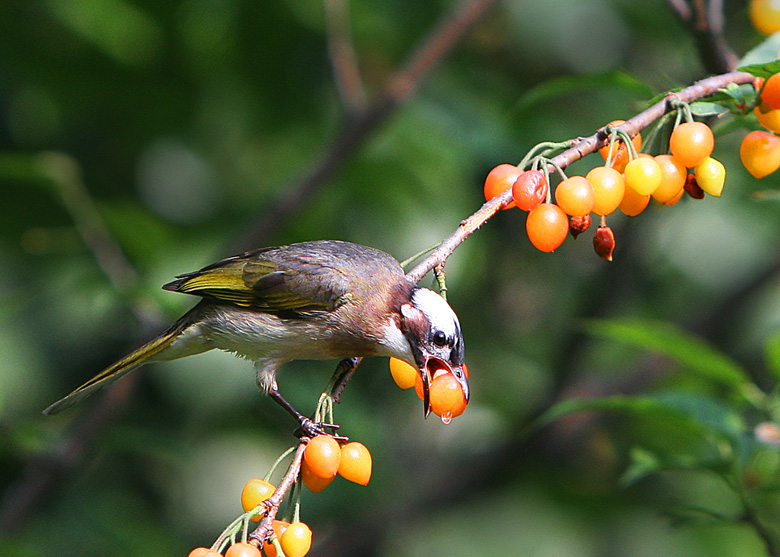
(706, 21)
(343, 59)
(584, 146)
(65, 173)
(265, 528)
(681, 8)
(435, 48)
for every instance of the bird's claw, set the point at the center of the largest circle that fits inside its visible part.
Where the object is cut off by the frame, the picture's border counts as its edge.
(309, 428)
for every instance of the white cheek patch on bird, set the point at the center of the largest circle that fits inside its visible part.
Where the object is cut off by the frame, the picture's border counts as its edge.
(437, 311)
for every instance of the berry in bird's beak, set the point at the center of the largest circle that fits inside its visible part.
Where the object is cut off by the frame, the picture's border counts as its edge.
(443, 389)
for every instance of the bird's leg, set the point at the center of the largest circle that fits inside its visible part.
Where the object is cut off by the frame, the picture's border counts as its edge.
(333, 391)
(308, 427)
(341, 377)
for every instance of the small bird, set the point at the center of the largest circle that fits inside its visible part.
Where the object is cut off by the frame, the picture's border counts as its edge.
(314, 300)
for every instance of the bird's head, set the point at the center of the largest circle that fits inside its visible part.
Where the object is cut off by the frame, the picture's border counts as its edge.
(432, 330)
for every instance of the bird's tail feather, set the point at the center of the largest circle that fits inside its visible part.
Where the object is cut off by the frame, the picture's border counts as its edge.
(120, 368)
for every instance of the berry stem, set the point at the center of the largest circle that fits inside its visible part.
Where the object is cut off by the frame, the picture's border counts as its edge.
(557, 167)
(626, 139)
(546, 172)
(612, 141)
(278, 461)
(405, 263)
(264, 530)
(228, 535)
(542, 149)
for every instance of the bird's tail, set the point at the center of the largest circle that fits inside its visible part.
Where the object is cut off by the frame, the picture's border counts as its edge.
(121, 368)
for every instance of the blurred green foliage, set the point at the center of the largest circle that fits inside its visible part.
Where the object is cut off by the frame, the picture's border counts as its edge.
(186, 119)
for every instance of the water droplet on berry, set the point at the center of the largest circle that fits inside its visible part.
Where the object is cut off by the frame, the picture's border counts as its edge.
(446, 418)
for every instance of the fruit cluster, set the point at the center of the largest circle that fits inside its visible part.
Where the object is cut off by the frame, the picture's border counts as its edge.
(444, 392)
(323, 459)
(627, 181)
(760, 150)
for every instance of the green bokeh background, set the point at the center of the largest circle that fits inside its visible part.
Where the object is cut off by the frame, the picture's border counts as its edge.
(187, 120)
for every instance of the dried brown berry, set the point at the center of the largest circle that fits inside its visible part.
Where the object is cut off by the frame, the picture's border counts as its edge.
(578, 225)
(692, 188)
(604, 242)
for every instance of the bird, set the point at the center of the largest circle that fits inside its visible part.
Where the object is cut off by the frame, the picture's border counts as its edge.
(315, 300)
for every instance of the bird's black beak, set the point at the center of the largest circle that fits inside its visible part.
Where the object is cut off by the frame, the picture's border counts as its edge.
(427, 376)
(428, 372)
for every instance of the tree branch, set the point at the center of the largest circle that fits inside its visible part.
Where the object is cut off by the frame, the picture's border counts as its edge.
(343, 58)
(706, 22)
(435, 47)
(584, 146)
(265, 528)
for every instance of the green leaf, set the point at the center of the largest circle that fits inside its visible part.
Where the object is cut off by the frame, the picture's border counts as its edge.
(554, 88)
(705, 109)
(613, 403)
(658, 97)
(665, 338)
(655, 409)
(643, 463)
(761, 59)
(762, 70)
(686, 516)
(710, 412)
(772, 350)
(675, 431)
(696, 414)
(742, 95)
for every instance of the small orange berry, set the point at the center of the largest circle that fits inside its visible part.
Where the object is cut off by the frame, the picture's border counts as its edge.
(608, 186)
(203, 552)
(403, 373)
(242, 549)
(547, 226)
(575, 196)
(296, 540)
(633, 203)
(500, 179)
(355, 463)
(322, 455)
(620, 153)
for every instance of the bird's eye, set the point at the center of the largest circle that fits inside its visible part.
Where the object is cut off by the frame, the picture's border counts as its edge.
(439, 338)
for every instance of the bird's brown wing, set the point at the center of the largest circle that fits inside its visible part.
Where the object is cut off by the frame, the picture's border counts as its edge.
(311, 276)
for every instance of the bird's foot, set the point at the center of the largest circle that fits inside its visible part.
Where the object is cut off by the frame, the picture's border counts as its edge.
(309, 428)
